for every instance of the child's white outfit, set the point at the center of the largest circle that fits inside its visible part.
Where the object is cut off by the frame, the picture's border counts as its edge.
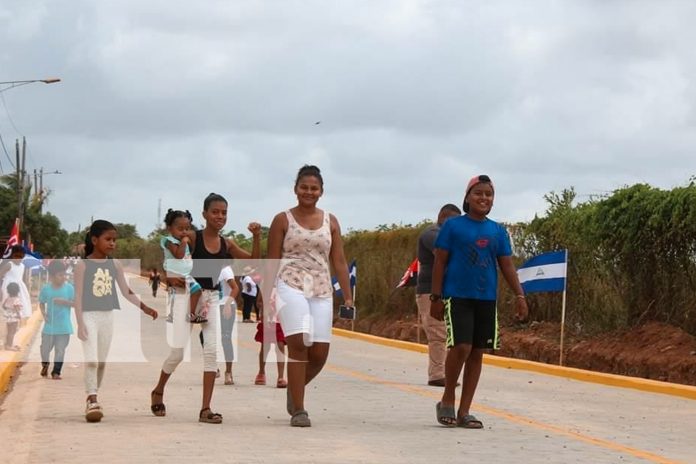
(16, 274)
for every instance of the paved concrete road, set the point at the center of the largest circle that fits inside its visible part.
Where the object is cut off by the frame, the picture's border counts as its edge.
(369, 405)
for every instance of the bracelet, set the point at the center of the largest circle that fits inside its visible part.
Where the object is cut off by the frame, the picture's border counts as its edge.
(521, 297)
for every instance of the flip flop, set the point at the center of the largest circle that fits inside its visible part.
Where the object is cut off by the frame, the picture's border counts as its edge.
(446, 412)
(469, 422)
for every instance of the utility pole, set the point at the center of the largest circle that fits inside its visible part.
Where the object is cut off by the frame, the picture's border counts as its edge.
(36, 184)
(20, 184)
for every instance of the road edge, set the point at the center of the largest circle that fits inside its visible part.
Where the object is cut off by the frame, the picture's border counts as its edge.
(621, 381)
(25, 336)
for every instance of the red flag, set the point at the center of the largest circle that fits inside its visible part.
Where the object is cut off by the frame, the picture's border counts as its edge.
(13, 240)
(410, 276)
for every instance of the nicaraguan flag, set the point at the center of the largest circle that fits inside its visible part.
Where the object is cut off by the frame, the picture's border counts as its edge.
(352, 275)
(544, 273)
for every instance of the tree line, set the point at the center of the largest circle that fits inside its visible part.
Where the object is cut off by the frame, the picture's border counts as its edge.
(632, 255)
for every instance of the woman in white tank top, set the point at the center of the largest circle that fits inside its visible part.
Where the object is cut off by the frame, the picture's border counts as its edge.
(306, 239)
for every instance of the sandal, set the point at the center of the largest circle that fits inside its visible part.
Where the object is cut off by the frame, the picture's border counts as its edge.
(300, 419)
(260, 379)
(196, 319)
(210, 417)
(93, 412)
(44, 370)
(228, 378)
(469, 422)
(446, 415)
(158, 409)
(282, 383)
(56, 376)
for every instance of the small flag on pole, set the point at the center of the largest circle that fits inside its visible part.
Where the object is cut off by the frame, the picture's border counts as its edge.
(410, 276)
(544, 273)
(13, 240)
(352, 275)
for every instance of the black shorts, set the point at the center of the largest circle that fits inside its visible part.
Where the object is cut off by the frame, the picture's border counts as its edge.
(472, 322)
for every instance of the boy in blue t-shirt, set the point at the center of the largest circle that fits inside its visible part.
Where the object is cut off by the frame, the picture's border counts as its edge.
(468, 250)
(56, 299)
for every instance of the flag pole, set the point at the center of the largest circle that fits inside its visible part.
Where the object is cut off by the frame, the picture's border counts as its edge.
(563, 310)
(355, 292)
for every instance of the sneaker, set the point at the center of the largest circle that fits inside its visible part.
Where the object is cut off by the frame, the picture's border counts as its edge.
(93, 412)
(170, 317)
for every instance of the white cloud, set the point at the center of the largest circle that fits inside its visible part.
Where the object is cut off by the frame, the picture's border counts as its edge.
(174, 100)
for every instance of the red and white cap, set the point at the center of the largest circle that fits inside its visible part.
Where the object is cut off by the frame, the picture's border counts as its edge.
(481, 179)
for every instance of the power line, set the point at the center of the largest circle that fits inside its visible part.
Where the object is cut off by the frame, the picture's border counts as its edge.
(9, 116)
(2, 142)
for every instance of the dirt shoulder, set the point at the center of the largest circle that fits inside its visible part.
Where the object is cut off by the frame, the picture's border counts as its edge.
(653, 351)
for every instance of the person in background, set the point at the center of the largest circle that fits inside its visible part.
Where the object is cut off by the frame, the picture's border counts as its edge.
(13, 270)
(12, 307)
(155, 279)
(434, 330)
(55, 300)
(249, 295)
(269, 332)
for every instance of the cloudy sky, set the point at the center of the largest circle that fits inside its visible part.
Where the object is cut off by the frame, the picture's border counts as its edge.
(174, 99)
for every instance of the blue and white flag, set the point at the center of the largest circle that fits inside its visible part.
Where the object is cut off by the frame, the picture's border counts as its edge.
(544, 273)
(352, 275)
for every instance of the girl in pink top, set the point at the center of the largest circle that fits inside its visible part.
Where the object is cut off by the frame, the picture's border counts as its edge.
(306, 239)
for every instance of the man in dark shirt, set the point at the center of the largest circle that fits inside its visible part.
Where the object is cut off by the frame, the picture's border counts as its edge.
(434, 329)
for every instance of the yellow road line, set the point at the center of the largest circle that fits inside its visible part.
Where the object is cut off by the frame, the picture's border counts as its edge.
(511, 417)
(652, 386)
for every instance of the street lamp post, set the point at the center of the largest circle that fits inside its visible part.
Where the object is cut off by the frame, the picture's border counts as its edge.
(13, 84)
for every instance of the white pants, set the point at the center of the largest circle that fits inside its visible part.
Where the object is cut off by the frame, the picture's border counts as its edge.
(182, 330)
(100, 328)
(299, 314)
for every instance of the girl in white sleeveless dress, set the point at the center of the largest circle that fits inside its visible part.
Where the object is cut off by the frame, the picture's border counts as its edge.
(12, 270)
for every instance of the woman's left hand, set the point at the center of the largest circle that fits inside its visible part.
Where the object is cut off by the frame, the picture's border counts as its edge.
(348, 302)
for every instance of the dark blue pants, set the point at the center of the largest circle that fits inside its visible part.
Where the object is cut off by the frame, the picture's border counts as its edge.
(57, 342)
